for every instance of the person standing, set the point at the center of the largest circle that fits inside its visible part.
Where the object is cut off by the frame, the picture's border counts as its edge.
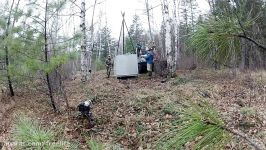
(149, 60)
(109, 64)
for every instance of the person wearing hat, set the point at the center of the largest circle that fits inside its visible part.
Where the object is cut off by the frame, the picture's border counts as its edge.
(149, 60)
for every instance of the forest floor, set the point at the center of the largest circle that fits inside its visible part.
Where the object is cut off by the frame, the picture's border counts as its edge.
(134, 113)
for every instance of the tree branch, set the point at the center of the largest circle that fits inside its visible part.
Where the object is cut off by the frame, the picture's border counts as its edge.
(253, 41)
(253, 142)
(256, 144)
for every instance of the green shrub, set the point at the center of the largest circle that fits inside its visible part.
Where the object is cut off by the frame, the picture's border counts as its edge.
(99, 65)
(139, 127)
(198, 123)
(179, 81)
(170, 109)
(28, 134)
(119, 131)
(94, 145)
(247, 111)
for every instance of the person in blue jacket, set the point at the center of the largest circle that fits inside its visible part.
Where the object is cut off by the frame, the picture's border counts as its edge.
(149, 60)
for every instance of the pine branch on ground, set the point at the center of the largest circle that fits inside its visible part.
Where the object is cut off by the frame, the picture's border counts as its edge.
(200, 127)
(28, 134)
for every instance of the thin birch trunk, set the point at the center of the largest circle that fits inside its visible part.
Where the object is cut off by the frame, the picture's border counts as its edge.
(84, 52)
(100, 36)
(148, 15)
(192, 15)
(163, 53)
(168, 41)
(177, 38)
(91, 41)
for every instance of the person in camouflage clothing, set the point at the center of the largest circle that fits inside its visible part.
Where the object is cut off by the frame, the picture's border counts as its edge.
(109, 65)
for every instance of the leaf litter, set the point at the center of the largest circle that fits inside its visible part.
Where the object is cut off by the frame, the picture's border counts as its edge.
(134, 113)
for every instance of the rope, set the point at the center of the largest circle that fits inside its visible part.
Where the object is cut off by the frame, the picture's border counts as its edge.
(131, 41)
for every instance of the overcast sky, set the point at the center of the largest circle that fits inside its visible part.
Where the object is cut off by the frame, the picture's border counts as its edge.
(111, 13)
(131, 7)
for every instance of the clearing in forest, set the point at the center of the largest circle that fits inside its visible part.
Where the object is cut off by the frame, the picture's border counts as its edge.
(134, 113)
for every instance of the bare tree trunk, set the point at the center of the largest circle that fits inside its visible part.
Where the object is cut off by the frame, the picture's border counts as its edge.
(9, 80)
(100, 48)
(100, 37)
(244, 54)
(84, 52)
(185, 12)
(213, 10)
(109, 48)
(91, 39)
(54, 76)
(148, 15)
(163, 52)
(62, 87)
(10, 85)
(192, 14)
(211, 4)
(168, 41)
(46, 58)
(177, 38)
(123, 34)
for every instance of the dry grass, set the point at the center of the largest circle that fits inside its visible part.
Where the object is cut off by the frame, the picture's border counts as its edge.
(133, 113)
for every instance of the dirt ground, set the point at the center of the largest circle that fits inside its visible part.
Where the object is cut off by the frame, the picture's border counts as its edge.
(134, 113)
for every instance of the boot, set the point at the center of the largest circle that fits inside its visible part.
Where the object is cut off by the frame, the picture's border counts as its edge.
(149, 74)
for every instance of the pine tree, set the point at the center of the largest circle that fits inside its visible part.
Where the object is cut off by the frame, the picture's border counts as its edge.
(228, 35)
(45, 51)
(8, 34)
(136, 30)
(107, 43)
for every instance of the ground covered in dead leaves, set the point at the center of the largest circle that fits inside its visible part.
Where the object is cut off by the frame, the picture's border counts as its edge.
(134, 113)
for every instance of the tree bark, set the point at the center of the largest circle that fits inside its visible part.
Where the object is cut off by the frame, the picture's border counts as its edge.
(91, 41)
(192, 14)
(253, 142)
(9, 80)
(168, 41)
(262, 47)
(148, 15)
(244, 55)
(177, 37)
(86, 46)
(84, 52)
(62, 87)
(46, 58)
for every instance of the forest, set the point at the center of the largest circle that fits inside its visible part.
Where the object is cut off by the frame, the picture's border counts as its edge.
(205, 87)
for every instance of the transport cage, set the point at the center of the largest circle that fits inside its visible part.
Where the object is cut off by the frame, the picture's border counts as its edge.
(142, 67)
(126, 65)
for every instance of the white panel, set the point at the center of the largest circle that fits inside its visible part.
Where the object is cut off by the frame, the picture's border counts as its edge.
(126, 65)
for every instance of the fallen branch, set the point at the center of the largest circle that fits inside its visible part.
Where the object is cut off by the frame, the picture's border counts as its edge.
(253, 142)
